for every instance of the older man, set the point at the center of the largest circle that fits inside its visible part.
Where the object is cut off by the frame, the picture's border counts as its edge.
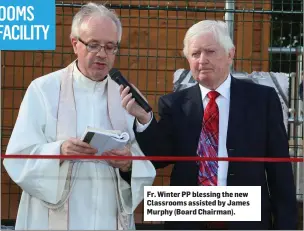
(56, 109)
(219, 117)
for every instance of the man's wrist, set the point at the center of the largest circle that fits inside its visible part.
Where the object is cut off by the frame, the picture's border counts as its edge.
(144, 119)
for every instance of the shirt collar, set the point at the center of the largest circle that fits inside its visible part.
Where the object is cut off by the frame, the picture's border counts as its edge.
(223, 89)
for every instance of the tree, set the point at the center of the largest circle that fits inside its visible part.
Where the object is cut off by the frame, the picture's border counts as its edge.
(287, 32)
(287, 28)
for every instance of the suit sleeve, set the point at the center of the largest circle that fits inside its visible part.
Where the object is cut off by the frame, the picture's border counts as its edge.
(280, 175)
(157, 138)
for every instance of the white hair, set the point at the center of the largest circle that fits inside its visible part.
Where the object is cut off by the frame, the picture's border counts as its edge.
(91, 10)
(219, 29)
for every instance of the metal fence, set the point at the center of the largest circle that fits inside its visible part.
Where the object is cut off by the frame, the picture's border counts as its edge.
(268, 36)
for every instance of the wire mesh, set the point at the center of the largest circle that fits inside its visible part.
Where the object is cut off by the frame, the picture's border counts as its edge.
(150, 52)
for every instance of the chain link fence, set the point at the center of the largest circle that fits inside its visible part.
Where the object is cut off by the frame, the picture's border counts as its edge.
(268, 36)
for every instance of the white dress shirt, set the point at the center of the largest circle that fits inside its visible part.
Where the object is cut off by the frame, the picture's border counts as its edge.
(223, 102)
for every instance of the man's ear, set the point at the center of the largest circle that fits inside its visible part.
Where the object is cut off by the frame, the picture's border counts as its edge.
(231, 54)
(74, 42)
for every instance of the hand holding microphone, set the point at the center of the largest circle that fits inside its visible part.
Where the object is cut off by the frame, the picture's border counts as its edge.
(132, 100)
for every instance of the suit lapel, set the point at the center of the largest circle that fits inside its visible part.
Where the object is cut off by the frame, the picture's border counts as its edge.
(191, 118)
(237, 113)
(192, 108)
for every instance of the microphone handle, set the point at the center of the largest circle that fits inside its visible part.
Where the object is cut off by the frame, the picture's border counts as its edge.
(138, 98)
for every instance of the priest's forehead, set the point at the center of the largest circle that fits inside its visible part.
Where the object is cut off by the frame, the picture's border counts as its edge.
(101, 29)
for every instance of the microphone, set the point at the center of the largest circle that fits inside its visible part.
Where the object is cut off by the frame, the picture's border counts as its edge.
(120, 80)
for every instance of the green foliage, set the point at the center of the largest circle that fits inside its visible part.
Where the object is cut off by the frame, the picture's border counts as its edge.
(287, 28)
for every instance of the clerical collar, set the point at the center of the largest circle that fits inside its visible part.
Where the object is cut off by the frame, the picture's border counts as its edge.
(85, 82)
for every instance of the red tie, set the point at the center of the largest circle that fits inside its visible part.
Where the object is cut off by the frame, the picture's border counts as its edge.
(208, 142)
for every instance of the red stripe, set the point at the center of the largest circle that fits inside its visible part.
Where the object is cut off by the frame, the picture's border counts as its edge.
(154, 158)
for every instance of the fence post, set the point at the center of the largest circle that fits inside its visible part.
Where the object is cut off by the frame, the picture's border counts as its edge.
(229, 18)
(297, 123)
(296, 119)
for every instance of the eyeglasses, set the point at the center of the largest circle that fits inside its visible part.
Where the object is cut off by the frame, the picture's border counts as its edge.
(94, 47)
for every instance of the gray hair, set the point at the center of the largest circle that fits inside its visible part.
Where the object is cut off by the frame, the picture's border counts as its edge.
(219, 29)
(90, 10)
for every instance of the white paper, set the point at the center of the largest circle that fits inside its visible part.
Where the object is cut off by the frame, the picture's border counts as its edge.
(106, 140)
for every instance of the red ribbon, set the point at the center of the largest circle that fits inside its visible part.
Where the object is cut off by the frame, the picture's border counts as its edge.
(154, 158)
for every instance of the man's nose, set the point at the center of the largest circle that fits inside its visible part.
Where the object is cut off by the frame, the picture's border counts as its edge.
(102, 52)
(203, 58)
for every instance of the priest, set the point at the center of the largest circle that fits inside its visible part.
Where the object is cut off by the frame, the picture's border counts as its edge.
(55, 111)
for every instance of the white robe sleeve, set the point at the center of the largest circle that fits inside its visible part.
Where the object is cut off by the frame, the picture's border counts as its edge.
(143, 174)
(41, 178)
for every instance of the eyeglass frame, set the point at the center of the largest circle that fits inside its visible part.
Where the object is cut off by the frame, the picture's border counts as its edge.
(101, 46)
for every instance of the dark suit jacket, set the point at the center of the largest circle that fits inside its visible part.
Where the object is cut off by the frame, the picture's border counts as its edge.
(255, 129)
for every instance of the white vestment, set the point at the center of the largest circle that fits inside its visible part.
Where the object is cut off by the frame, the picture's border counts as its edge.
(92, 201)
